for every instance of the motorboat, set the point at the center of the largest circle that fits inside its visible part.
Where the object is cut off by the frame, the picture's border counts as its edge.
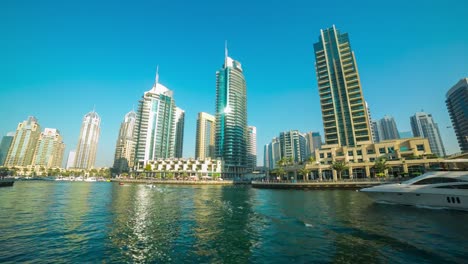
(90, 179)
(6, 182)
(443, 188)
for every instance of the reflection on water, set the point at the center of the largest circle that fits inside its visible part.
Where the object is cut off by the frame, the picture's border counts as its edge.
(104, 222)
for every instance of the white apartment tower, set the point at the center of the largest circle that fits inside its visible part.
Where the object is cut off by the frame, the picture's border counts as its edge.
(88, 141)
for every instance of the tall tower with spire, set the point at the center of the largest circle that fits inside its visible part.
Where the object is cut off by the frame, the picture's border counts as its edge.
(88, 141)
(155, 126)
(231, 118)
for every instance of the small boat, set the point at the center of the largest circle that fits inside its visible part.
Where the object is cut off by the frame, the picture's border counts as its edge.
(90, 179)
(7, 182)
(121, 183)
(446, 188)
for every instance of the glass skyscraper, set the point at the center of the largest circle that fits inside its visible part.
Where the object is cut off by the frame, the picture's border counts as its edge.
(155, 127)
(423, 125)
(344, 113)
(457, 105)
(179, 132)
(88, 141)
(385, 129)
(231, 118)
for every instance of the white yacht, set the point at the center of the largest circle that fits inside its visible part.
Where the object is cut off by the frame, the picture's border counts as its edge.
(445, 188)
(90, 179)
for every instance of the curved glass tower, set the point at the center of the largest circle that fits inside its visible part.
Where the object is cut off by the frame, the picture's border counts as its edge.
(88, 141)
(231, 118)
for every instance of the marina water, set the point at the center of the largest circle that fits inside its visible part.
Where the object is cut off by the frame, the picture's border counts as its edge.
(65, 222)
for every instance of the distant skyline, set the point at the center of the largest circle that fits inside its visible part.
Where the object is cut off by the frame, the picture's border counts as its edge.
(61, 59)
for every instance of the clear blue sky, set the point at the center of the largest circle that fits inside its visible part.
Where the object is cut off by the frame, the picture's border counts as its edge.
(60, 58)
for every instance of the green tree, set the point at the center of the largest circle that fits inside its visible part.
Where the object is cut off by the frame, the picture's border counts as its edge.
(280, 172)
(170, 175)
(304, 172)
(339, 166)
(4, 171)
(380, 165)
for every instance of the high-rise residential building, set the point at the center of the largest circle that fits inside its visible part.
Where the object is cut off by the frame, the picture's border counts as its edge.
(179, 132)
(71, 159)
(457, 105)
(344, 114)
(155, 131)
(272, 154)
(371, 123)
(21, 152)
(252, 147)
(49, 149)
(125, 146)
(313, 141)
(5, 146)
(385, 129)
(205, 141)
(231, 118)
(293, 145)
(423, 125)
(88, 141)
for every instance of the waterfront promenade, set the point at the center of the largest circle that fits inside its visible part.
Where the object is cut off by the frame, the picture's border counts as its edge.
(319, 185)
(174, 182)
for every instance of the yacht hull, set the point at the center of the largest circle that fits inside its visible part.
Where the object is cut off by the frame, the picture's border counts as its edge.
(455, 200)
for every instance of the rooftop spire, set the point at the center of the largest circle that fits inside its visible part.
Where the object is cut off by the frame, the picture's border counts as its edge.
(156, 80)
(225, 52)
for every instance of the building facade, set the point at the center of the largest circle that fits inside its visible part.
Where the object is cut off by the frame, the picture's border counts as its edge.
(252, 147)
(205, 140)
(23, 146)
(71, 159)
(423, 125)
(125, 146)
(404, 157)
(272, 154)
(49, 149)
(155, 127)
(179, 132)
(385, 129)
(88, 141)
(231, 118)
(5, 146)
(293, 146)
(344, 114)
(174, 168)
(457, 106)
(313, 141)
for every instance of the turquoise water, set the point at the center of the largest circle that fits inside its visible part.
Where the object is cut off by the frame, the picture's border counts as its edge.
(65, 222)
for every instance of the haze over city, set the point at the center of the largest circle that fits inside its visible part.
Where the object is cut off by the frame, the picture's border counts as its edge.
(61, 61)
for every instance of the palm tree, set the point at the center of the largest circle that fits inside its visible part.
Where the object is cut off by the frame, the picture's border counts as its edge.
(304, 172)
(280, 172)
(339, 166)
(380, 166)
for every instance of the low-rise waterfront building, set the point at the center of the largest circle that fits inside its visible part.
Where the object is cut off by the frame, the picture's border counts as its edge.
(181, 168)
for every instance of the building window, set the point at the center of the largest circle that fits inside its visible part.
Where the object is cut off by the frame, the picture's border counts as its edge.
(370, 151)
(329, 155)
(350, 153)
(360, 160)
(359, 152)
(420, 147)
(371, 159)
(321, 155)
(382, 150)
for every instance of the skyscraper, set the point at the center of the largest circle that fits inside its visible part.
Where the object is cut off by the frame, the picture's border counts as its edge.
(293, 145)
(313, 141)
(71, 159)
(125, 146)
(423, 125)
(344, 114)
(252, 147)
(21, 152)
(5, 146)
(385, 129)
(49, 149)
(272, 154)
(155, 126)
(179, 132)
(231, 118)
(457, 105)
(205, 141)
(88, 141)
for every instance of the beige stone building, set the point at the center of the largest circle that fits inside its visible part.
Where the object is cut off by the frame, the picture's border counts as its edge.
(182, 167)
(405, 157)
(49, 149)
(205, 141)
(21, 152)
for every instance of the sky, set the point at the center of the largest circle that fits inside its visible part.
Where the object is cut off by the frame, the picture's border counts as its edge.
(59, 59)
